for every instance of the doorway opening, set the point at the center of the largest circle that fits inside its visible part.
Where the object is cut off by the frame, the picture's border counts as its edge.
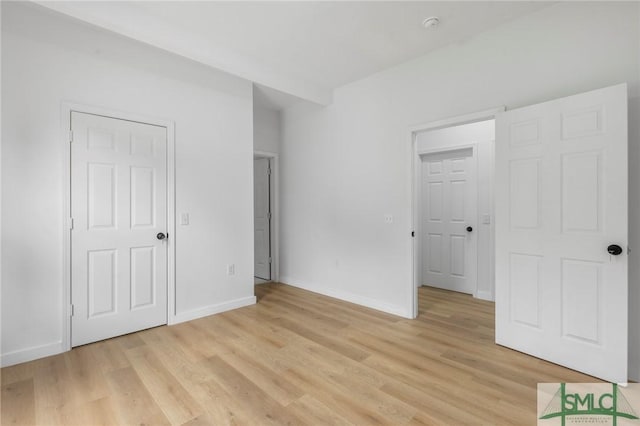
(453, 248)
(265, 217)
(561, 199)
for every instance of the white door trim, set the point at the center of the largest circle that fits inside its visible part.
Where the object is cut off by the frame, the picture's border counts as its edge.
(414, 175)
(65, 125)
(275, 213)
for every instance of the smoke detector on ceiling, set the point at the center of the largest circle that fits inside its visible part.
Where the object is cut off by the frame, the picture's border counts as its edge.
(431, 22)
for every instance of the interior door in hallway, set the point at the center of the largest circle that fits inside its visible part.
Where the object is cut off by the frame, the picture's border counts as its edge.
(449, 211)
(118, 239)
(262, 217)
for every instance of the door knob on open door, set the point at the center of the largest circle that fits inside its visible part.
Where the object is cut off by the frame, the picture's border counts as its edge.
(161, 236)
(614, 249)
(469, 229)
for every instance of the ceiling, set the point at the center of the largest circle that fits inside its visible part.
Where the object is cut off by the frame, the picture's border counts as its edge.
(300, 48)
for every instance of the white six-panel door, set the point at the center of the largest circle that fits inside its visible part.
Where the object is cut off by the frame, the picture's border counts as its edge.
(118, 205)
(262, 218)
(449, 208)
(561, 201)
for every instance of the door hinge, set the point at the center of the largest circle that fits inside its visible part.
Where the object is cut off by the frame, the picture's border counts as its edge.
(70, 223)
(269, 215)
(269, 259)
(413, 233)
(70, 136)
(269, 171)
(71, 310)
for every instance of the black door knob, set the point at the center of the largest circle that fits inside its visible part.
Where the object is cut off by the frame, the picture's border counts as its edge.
(614, 249)
(469, 229)
(161, 236)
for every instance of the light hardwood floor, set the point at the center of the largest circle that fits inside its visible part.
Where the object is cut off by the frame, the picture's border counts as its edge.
(294, 358)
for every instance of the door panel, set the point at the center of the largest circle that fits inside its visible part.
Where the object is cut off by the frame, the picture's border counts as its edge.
(262, 218)
(142, 194)
(143, 280)
(525, 289)
(448, 206)
(561, 199)
(581, 192)
(435, 205)
(457, 257)
(101, 282)
(581, 300)
(118, 203)
(524, 195)
(102, 191)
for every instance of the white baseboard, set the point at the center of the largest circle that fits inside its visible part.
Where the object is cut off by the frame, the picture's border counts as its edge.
(347, 297)
(36, 352)
(29, 354)
(212, 309)
(485, 295)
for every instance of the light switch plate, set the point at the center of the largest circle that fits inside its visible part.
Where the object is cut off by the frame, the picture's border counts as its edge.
(184, 218)
(486, 219)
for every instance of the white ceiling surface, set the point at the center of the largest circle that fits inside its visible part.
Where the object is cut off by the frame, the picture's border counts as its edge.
(302, 48)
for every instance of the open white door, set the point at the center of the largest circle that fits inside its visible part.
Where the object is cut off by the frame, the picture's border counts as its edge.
(561, 205)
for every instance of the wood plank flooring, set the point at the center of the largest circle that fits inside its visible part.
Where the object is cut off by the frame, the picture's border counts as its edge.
(294, 358)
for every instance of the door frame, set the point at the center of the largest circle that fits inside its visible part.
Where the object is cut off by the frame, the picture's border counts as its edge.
(65, 130)
(414, 167)
(274, 225)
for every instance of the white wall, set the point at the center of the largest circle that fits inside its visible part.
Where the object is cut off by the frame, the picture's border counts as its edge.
(266, 129)
(483, 134)
(47, 60)
(347, 165)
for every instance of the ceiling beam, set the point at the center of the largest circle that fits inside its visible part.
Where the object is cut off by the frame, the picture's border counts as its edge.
(119, 18)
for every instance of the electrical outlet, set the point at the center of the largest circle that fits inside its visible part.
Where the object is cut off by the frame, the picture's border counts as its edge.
(231, 269)
(184, 218)
(388, 218)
